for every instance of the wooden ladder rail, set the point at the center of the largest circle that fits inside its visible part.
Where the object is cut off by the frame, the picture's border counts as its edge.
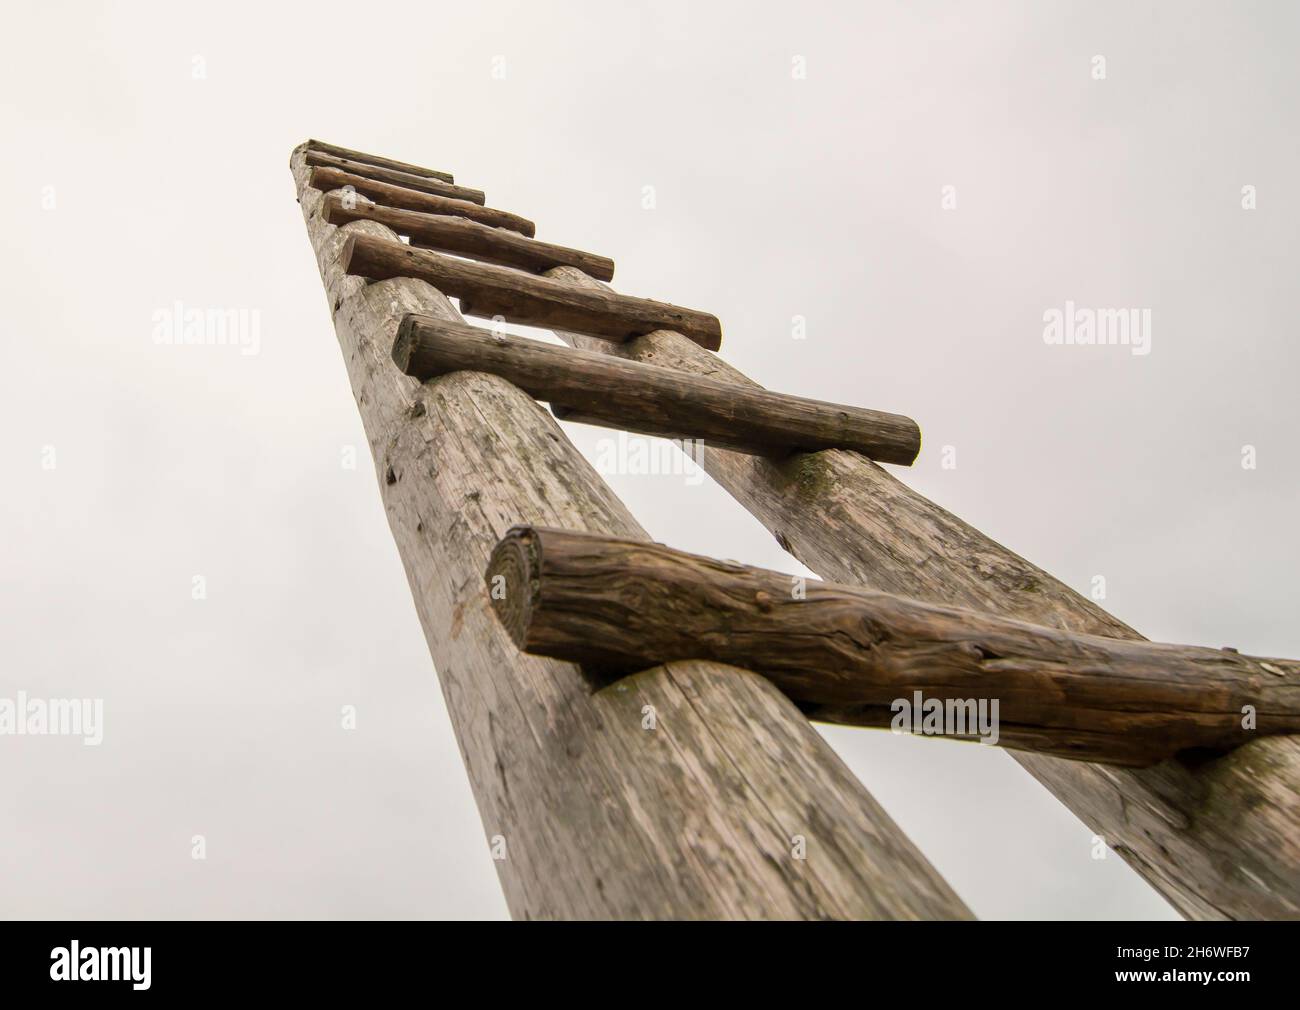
(692, 790)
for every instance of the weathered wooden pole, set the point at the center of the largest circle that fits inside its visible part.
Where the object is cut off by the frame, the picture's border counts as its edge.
(326, 179)
(1220, 839)
(689, 791)
(640, 397)
(846, 654)
(488, 290)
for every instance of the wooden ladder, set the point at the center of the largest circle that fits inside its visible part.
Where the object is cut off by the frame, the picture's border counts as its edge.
(643, 758)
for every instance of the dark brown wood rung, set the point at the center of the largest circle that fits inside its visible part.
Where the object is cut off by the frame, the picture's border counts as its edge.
(848, 654)
(377, 160)
(617, 393)
(423, 184)
(488, 290)
(467, 238)
(326, 179)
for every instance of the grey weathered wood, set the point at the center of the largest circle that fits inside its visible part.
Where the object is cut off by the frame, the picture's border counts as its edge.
(1220, 839)
(599, 817)
(423, 184)
(487, 290)
(374, 159)
(412, 199)
(847, 654)
(645, 398)
(465, 237)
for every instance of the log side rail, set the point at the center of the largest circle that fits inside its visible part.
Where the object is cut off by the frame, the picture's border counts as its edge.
(460, 235)
(376, 160)
(487, 290)
(645, 398)
(326, 179)
(850, 655)
(376, 173)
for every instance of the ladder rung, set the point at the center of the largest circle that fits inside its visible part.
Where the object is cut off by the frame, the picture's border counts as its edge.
(468, 238)
(326, 179)
(423, 184)
(489, 291)
(616, 393)
(375, 159)
(847, 654)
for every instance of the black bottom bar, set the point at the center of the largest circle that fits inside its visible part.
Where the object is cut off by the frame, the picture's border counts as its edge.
(472, 964)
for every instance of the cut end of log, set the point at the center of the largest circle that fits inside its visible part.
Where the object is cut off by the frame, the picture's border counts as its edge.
(404, 345)
(513, 578)
(908, 455)
(347, 252)
(710, 335)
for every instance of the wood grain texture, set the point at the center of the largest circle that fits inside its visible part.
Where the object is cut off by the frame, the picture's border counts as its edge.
(407, 180)
(1220, 838)
(848, 654)
(326, 179)
(467, 238)
(645, 398)
(374, 159)
(487, 290)
(600, 817)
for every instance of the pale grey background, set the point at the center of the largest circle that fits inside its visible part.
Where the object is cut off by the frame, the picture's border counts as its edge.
(775, 197)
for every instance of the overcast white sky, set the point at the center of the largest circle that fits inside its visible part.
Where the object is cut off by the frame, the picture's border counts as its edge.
(132, 182)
